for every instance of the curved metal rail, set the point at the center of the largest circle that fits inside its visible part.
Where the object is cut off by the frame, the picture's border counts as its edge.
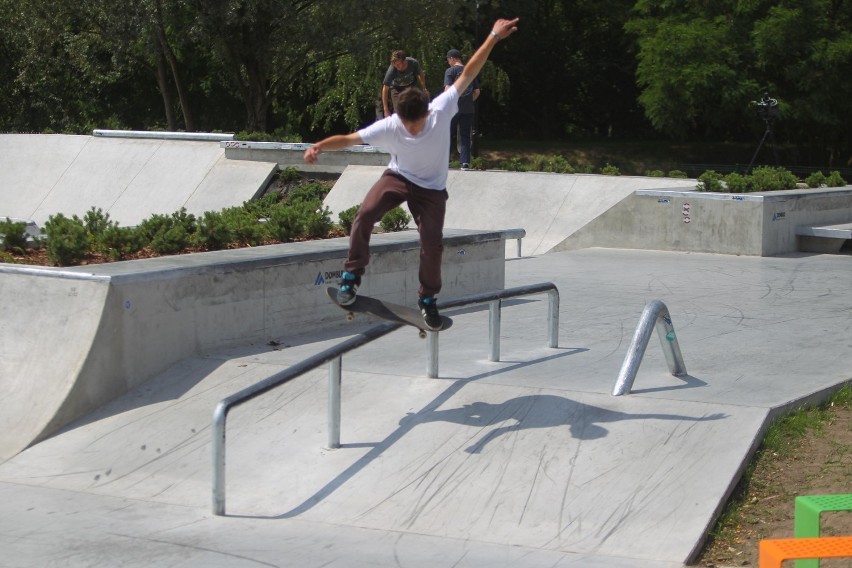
(656, 314)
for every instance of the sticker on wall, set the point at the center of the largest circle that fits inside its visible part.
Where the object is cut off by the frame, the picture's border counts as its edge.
(686, 209)
(779, 215)
(323, 277)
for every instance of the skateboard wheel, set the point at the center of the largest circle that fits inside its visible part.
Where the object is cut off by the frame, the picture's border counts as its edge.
(350, 316)
(422, 334)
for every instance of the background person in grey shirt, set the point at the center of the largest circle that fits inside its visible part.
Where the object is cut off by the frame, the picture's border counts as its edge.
(402, 73)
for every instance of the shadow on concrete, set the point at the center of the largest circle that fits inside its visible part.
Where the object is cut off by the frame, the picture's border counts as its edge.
(689, 382)
(536, 411)
(542, 411)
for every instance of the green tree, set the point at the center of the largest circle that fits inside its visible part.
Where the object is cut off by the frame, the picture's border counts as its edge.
(804, 50)
(691, 60)
(701, 65)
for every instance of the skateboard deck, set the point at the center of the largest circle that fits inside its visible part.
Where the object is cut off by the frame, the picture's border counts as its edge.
(385, 310)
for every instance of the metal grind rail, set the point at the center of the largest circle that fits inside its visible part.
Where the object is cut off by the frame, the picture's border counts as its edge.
(654, 316)
(334, 356)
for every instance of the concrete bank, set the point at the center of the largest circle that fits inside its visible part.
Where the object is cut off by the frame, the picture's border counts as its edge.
(550, 207)
(128, 178)
(98, 331)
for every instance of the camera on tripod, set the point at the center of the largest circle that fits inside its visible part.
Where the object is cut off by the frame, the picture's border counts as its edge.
(767, 108)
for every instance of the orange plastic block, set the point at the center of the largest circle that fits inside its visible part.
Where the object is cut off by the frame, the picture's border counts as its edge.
(774, 551)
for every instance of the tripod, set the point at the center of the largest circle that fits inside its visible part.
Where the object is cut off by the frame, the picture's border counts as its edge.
(769, 109)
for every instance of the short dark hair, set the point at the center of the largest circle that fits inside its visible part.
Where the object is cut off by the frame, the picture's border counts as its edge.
(398, 55)
(412, 104)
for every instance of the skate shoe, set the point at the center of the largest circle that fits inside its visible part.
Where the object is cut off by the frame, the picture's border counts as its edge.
(347, 287)
(429, 309)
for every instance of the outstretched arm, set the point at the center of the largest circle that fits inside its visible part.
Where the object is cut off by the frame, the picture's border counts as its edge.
(336, 142)
(500, 30)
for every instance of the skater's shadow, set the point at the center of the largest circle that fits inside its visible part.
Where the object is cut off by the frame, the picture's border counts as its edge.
(539, 411)
(535, 411)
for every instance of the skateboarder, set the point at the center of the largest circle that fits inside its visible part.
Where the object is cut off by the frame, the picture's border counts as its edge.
(417, 137)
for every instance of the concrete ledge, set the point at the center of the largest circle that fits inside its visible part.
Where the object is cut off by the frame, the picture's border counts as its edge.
(763, 224)
(843, 231)
(157, 135)
(291, 154)
(826, 239)
(108, 328)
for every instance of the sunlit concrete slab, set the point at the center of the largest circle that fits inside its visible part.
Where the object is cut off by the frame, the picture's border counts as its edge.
(550, 207)
(128, 178)
(525, 461)
(105, 329)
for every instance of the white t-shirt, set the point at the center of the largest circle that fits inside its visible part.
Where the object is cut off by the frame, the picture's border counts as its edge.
(421, 159)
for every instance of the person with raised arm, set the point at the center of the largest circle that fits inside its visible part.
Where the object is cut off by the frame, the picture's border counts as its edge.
(417, 136)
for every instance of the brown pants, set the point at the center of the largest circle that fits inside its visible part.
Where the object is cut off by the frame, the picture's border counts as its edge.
(426, 205)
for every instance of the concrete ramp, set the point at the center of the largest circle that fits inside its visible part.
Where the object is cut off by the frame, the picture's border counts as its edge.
(550, 207)
(544, 469)
(40, 364)
(129, 178)
(524, 462)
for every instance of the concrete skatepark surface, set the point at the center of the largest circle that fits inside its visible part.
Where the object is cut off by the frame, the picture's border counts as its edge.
(130, 179)
(550, 207)
(528, 461)
(524, 462)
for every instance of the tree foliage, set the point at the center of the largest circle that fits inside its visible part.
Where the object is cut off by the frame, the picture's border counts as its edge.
(305, 68)
(703, 64)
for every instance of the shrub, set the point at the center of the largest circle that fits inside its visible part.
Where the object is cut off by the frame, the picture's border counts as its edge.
(555, 164)
(289, 175)
(478, 164)
(284, 223)
(13, 236)
(737, 183)
(244, 226)
(772, 179)
(655, 173)
(834, 180)
(677, 174)
(168, 234)
(395, 220)
(97, 223)
(301, 219)
(262, 207)
(816, 179)
(120, 242)
(170, 241)
(316, 219)
(312, 191)
(67, 240)
(610, 170)
(710, 181)
(213, 231)
(514, 165)
(346, 218)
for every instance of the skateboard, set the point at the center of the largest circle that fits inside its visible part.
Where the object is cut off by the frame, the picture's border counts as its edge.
(385, 310)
